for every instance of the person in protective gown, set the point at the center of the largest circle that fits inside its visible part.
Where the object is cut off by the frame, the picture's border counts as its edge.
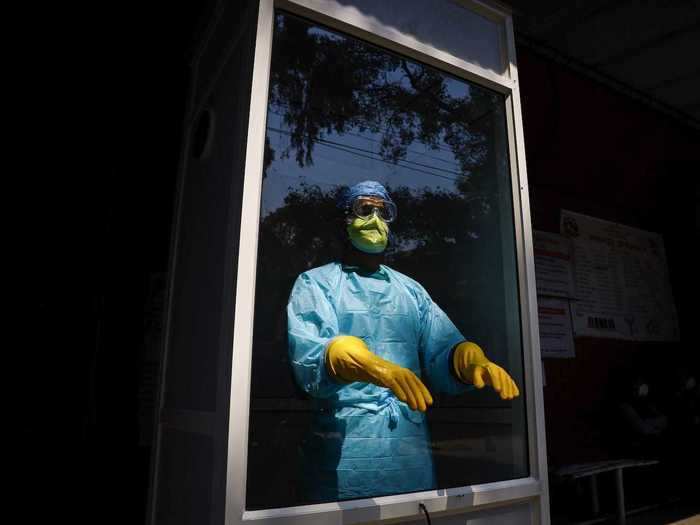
(361, 338)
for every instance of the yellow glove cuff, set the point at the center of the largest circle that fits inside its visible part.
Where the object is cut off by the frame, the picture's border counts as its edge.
(466, 355)
(347, 358)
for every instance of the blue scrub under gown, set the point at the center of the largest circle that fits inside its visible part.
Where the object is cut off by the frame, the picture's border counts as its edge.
(365, 442)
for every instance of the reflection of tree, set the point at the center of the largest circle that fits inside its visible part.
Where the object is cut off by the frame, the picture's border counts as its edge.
(324, 83)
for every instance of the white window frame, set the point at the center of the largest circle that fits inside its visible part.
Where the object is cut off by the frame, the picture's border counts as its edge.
(532, 489)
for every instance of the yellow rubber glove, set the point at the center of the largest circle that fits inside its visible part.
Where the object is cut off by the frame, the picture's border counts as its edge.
(349, 359)
(472, 366)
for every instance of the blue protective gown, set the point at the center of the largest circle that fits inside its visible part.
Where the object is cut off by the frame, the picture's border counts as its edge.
(366, 442)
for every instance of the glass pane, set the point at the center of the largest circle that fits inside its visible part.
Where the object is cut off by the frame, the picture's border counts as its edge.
(422, 260)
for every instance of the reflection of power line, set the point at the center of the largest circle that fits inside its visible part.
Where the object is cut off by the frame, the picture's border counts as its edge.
(360, 120)
(384, 129)
(379, 142)
(346, 149)
(408, 149)
(369, 125)
(404, 160)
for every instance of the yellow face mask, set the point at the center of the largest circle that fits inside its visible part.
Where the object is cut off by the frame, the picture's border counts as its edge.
(369, 235)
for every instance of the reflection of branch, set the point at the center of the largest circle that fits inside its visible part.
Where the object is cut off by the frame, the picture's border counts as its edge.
(378, 92)
(446, 107)
(423, 91)
(410, 76)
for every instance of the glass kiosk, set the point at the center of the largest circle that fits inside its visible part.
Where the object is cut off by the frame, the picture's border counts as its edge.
(294, 104)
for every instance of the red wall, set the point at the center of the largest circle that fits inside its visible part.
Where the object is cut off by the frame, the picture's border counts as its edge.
(597, 152)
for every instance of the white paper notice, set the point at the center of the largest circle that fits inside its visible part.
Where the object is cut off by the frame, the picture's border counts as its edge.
(553, 268)
(622, 283)
(556, 335)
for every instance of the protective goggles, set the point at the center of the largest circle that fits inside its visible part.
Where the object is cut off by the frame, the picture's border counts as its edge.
(365, 207)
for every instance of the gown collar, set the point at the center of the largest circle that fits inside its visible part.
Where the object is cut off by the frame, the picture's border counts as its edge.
(381, 273)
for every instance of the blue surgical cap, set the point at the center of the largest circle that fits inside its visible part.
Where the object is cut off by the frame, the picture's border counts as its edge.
(367, 188)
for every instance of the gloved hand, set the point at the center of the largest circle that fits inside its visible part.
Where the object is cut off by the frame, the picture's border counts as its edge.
(349, 359)
(472, 366)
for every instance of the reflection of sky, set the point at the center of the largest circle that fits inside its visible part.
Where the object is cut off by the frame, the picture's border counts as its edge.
(347, 158)
(352, 157)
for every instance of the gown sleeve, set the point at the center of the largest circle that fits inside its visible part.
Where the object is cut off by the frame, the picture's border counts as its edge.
(438, 336)
(311, 324)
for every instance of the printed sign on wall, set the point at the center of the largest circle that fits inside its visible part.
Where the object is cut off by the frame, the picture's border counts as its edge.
(553, 266)
(556, 335)
(622, 285)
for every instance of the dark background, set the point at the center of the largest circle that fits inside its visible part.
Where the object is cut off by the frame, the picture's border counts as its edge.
(98, 94)
(596, 152)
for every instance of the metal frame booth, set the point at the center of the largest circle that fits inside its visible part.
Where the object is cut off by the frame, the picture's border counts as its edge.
(199, 468)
